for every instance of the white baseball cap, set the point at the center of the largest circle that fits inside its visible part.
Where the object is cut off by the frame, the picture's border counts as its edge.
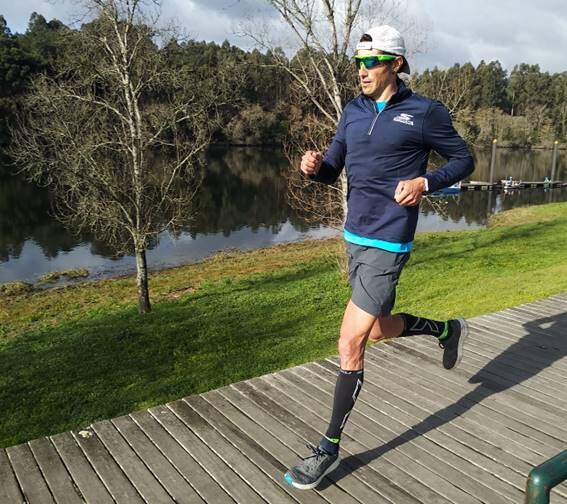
(387, 39)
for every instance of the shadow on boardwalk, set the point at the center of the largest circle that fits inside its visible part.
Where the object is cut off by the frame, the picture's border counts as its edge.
(544, 344)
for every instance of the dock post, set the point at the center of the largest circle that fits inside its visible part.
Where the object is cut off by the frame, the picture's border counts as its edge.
(493, 160)
(554, 160)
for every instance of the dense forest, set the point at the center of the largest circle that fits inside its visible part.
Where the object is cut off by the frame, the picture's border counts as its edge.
(523, 107)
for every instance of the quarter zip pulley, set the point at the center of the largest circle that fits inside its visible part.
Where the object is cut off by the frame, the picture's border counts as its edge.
(373, 122)
(376, 114)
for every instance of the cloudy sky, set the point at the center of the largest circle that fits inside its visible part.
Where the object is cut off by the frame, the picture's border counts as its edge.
(511, 31)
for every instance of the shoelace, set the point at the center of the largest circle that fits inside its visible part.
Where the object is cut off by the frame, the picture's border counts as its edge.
(317, 452)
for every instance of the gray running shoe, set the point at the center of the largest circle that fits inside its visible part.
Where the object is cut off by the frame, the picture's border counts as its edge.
(453, 345)
(313, 468)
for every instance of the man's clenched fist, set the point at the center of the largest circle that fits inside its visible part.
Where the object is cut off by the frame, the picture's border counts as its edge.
(409, 192)
(311, 162)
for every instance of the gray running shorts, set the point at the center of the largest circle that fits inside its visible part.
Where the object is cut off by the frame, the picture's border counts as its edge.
(373, 275)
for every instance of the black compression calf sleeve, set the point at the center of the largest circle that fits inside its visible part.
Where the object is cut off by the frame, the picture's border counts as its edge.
(347, 389)
(419, 325)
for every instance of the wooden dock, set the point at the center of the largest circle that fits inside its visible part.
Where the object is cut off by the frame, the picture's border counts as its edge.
(497, 186)
(418, 434)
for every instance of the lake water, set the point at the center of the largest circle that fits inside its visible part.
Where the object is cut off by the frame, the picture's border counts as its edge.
(242, 204)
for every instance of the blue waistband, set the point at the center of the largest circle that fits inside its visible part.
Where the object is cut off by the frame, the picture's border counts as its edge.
(382, 244)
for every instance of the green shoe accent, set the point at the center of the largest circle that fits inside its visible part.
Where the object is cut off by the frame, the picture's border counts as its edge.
(445, 333)
(333, 439)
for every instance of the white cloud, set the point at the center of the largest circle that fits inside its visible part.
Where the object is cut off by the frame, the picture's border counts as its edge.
(512, 31)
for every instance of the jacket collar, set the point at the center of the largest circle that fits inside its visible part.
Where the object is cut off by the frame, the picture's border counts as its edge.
(402, 93)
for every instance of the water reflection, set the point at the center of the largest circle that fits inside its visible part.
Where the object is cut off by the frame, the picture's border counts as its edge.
(242, 204)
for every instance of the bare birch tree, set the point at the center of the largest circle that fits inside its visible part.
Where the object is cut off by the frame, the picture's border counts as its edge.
(117, 134)
(323, 33)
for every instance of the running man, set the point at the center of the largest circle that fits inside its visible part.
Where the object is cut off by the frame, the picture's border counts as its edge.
(384, 138)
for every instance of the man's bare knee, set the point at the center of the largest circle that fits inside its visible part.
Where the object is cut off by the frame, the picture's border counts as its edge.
(351, 350)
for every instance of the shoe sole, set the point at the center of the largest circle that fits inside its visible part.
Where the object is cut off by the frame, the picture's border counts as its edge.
(464, 335)
(310, 486)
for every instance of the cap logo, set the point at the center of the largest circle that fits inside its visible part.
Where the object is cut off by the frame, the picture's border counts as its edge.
(363, 46)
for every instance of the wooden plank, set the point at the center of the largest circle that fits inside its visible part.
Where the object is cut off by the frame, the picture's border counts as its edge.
(532, 317)
(513, 330)
(491, 432)
(435, 417)
(135, 470)
(484, 350)
(463, 405)
(217, 468)
(186, 465)
(389, 465)
(300, 427)
(454, 391)
(503, 453)
(535, 374)
(106, 467)
(518, 325)
(168, 477)
(495, 383)
(551, 304)
(246, 413)
(427, 422)
(9, 489)
(533, 378)
(502, 381)
(514, 336)
(265, 442)
(409, 403)
(454, 412)
(29, 476)
(208, 424)
(503, 476)
(439, 458)
(526, 335)
(499, 403)
(524, 353)
(83, 474)
(294, 429)
(54, 472)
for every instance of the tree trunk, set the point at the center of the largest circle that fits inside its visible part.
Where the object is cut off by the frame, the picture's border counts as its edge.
(142, 281)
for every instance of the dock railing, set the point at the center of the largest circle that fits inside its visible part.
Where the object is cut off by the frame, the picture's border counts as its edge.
(544, 477)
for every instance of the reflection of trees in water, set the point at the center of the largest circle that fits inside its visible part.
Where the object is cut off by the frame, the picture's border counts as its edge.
(244, 187)
(24, 214)
(525, 164)
(476, 206)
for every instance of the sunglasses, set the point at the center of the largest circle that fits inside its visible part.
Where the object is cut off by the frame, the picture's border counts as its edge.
(369, 62)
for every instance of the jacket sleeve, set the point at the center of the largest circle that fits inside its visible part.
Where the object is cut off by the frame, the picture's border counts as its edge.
(440, 135)
(334, 159)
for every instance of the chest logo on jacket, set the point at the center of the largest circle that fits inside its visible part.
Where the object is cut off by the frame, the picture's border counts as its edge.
(404, 118)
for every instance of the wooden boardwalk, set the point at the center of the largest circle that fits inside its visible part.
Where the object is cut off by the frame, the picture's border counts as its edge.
(418, 434)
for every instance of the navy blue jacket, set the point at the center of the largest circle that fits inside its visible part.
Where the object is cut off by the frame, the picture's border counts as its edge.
(379, 150)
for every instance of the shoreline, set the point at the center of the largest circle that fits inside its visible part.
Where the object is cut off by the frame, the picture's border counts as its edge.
(76, 354)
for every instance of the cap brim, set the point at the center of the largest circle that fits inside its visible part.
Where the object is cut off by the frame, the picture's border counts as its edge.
(405, 67)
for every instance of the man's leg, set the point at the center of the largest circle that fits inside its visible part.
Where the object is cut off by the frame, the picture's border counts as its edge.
(355, 328)
(451, 334)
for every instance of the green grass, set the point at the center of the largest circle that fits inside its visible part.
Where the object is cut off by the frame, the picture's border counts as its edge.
(73, 355)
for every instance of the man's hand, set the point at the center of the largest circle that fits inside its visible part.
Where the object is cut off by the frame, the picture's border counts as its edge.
(409, 192)
(311, 162)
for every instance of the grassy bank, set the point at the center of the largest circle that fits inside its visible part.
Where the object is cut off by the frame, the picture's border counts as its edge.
(74, 355)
